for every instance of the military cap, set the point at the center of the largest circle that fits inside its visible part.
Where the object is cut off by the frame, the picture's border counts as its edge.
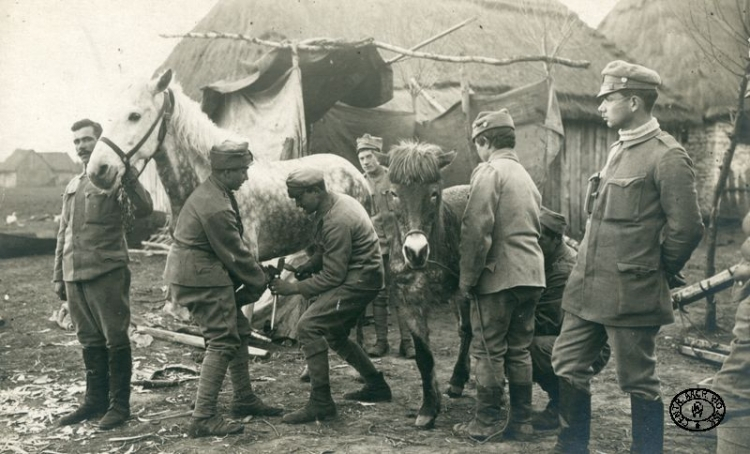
(368, 142)
(304, 177)
(230, 155)
(620, 75)
(552, 220)
(491, 120)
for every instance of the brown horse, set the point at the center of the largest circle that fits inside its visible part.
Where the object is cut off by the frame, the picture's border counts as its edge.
(427, 231)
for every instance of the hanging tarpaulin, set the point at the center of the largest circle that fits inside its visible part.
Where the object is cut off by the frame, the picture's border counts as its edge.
(272, 119)
(338, 130)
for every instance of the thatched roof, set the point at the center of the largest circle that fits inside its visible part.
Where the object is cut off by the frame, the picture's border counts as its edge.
(503, 29)
(671, 38)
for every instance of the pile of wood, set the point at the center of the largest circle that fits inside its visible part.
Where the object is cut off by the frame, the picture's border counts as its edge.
(711, 352)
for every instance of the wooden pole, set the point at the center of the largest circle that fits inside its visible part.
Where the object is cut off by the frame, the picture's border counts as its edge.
(323, 44)
(433, 39)
(724, 169)
(188, 339)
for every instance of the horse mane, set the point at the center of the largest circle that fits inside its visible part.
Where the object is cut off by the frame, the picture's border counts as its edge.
(193, 130)
(413, 162)
(416, 163)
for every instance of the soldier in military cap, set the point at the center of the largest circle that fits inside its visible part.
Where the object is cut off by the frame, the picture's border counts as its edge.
(502, 273)
(347, 274)
(369, 152)
(644, 224)
(207, 262)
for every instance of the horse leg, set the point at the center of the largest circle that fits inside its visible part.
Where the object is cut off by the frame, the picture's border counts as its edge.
(462, 368)
(417, 322)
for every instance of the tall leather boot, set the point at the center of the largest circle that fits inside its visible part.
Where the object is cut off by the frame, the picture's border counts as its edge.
(95, 401)
(320, 406)
(205, 420)
(375, 388)
(575, 420)
(648, 426)
(244, 401)
(519, 424)
(549, 419)
(380, 319)
(488, 415)
(120, 371)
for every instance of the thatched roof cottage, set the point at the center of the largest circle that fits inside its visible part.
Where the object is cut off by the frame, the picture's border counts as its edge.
(502, 29)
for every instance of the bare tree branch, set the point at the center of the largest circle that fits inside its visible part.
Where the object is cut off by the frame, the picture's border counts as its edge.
(322, 44)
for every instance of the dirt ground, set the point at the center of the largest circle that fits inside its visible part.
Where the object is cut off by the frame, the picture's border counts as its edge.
(41, 378)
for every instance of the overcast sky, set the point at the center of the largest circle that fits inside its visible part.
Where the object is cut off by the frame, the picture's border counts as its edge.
(58, 58)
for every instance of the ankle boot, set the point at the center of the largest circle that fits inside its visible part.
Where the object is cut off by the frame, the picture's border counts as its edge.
(320, 405)
(244, 400)
(487, 422)
(205, 421)
(375, 390)
(548, 420)
(120, 371)
(95, 401)
(214, 426)
(519, 424)
(648, 426)
(575, 420)
(380, 318)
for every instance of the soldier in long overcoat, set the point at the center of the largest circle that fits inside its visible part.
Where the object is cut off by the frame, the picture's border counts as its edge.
(644, 224)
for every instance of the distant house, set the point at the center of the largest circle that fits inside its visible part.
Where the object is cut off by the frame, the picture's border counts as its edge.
(29, 168)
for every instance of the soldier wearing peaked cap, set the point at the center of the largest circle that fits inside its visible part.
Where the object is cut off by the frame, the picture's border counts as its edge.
(207, 262)
(347, 273)
(369, 150)
(644, 224)
(500, 227)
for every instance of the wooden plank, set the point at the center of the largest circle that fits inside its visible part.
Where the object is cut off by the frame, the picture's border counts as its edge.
(700, 290)
(706, 345)
(706, 355)
(189, 339)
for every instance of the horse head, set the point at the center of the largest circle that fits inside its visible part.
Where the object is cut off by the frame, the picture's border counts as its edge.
(134, 131)
(416, 197)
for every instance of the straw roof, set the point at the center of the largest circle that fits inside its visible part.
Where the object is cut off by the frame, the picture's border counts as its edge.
(503, 29)
(673, 36)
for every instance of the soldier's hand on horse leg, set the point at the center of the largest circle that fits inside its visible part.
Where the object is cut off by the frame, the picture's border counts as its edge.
(282, 287)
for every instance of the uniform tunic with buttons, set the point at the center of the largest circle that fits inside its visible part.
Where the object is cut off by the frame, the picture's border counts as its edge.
(207, 260)
(92, 257)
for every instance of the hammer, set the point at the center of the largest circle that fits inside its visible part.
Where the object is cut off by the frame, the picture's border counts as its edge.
(275, 273)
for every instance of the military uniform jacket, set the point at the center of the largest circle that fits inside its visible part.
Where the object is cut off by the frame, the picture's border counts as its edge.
(91, 239)
(208, 250)
(343, 235)
(557, 269)
(500, 228)
(644, 224)
(382, 217)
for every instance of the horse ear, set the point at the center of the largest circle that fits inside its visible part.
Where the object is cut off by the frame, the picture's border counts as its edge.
(446, 157)
(163, 82)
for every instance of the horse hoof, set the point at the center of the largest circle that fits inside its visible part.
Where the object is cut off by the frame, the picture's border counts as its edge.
(425, 422)
(454, 392)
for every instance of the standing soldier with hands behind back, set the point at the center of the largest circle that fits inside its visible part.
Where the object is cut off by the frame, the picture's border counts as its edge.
(207, 262)
(644, 224)
(91, 273)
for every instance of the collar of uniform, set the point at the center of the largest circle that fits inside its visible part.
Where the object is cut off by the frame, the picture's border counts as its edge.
(634, 142)
(503, 153)
(327, 205)
(220, 185)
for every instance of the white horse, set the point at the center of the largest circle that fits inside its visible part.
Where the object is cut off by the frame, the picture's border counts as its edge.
(274, 226)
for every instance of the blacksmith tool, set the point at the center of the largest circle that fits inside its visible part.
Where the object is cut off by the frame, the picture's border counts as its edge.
(275, 273)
